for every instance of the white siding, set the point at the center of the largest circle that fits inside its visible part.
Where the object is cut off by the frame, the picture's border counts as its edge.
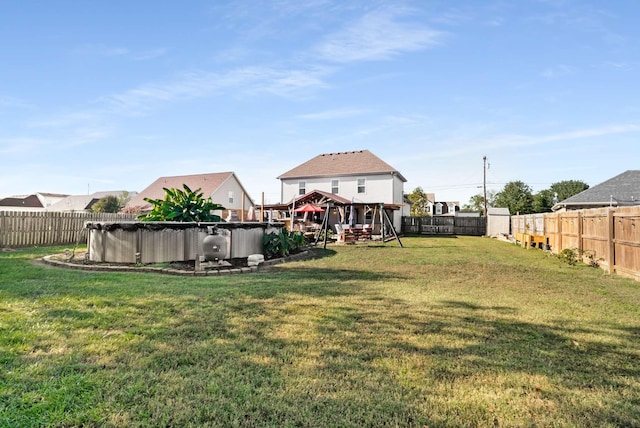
(378, 188)
(221, 195)
(386, 188)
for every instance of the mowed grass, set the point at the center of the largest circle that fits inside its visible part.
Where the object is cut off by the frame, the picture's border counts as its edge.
(443, 332)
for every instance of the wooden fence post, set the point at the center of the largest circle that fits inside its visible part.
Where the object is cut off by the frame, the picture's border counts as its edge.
(559, 233)
(579, 220)
(611, 244)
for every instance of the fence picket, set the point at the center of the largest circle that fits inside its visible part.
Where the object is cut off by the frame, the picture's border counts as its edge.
(24, 229)
(607, 236)
(444, 225)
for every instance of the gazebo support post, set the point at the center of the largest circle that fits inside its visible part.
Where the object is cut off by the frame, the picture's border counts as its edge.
(386, 216)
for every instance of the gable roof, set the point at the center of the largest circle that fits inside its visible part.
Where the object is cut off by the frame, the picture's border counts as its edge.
(319, 197)
(82, 202)
(35, 200)
(342, 163)
(207, 183)
(621, 190)
(29, 201)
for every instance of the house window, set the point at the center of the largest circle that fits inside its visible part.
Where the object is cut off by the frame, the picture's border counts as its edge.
(302, 188)
(335, 188)
(230, 197)
(368, 215)
(361, 185)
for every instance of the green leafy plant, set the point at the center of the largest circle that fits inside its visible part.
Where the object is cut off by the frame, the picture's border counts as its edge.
(108, 204)
(297, 241)
(271, 245)
(569, 256)
(572, 256)
(283, 243)
(182, 205)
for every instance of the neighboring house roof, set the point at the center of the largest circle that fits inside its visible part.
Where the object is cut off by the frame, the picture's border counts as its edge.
(26, 201)
(621, 190)
(343, 163)
(82, 202)
(207, 183)
(35, 200)
(49, 199)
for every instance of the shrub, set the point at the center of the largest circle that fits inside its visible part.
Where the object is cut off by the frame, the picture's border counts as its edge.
(182, 205)
(569, 256)
(283, 243)
(108, 204)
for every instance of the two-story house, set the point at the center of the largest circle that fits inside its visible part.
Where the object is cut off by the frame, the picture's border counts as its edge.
(358, 176)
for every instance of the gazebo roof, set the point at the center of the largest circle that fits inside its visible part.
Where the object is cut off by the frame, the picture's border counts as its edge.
(323, 199)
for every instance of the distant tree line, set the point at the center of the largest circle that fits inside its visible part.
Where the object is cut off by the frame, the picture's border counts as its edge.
(515, 195)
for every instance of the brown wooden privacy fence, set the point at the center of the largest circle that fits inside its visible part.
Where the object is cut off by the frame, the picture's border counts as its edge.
(474, 226)
(610, 236)
(23, 229)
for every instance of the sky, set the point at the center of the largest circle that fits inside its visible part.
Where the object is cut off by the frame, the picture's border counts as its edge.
(110, 95)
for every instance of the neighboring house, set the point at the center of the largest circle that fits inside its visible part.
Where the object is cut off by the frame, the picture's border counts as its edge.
(621, 190)
(358, 176)
(450, 208)
(83, 203)
(34, 202)
(406, 206)
(224, 188)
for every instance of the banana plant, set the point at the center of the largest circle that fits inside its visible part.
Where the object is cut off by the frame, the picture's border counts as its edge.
(182, 205)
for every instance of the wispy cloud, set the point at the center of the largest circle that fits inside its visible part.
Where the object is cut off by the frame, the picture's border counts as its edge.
(517, 140)
(378, 35)
(7, 101)
(248, 80)
(65, 120)
(20, 145)
(333, 114)
(461, 146)
(71, 129)
(579, 134)
(149, 54)
(558, 71)
(619, 65)
(119, 51)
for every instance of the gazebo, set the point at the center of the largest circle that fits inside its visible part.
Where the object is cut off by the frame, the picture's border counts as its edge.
(361, 219)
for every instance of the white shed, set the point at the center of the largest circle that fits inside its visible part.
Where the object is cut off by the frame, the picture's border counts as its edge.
(498, 222)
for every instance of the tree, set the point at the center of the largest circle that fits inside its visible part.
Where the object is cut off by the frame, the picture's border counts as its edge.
(543, 201)
(182, 205)
(476, 202)
(516, 196)
(111, 203)
(419, 202)
(108, 204)
(567, 188)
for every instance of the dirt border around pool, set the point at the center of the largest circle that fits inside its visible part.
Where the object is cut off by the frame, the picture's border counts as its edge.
(57, 261)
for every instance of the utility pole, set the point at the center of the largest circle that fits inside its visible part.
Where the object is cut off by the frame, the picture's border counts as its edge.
(484, 185)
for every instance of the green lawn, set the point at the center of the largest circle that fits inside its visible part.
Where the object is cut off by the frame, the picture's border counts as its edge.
(444, 332)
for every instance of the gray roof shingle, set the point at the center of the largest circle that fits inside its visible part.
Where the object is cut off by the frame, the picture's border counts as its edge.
(207, 183)
(623, 189)
(342, 163)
